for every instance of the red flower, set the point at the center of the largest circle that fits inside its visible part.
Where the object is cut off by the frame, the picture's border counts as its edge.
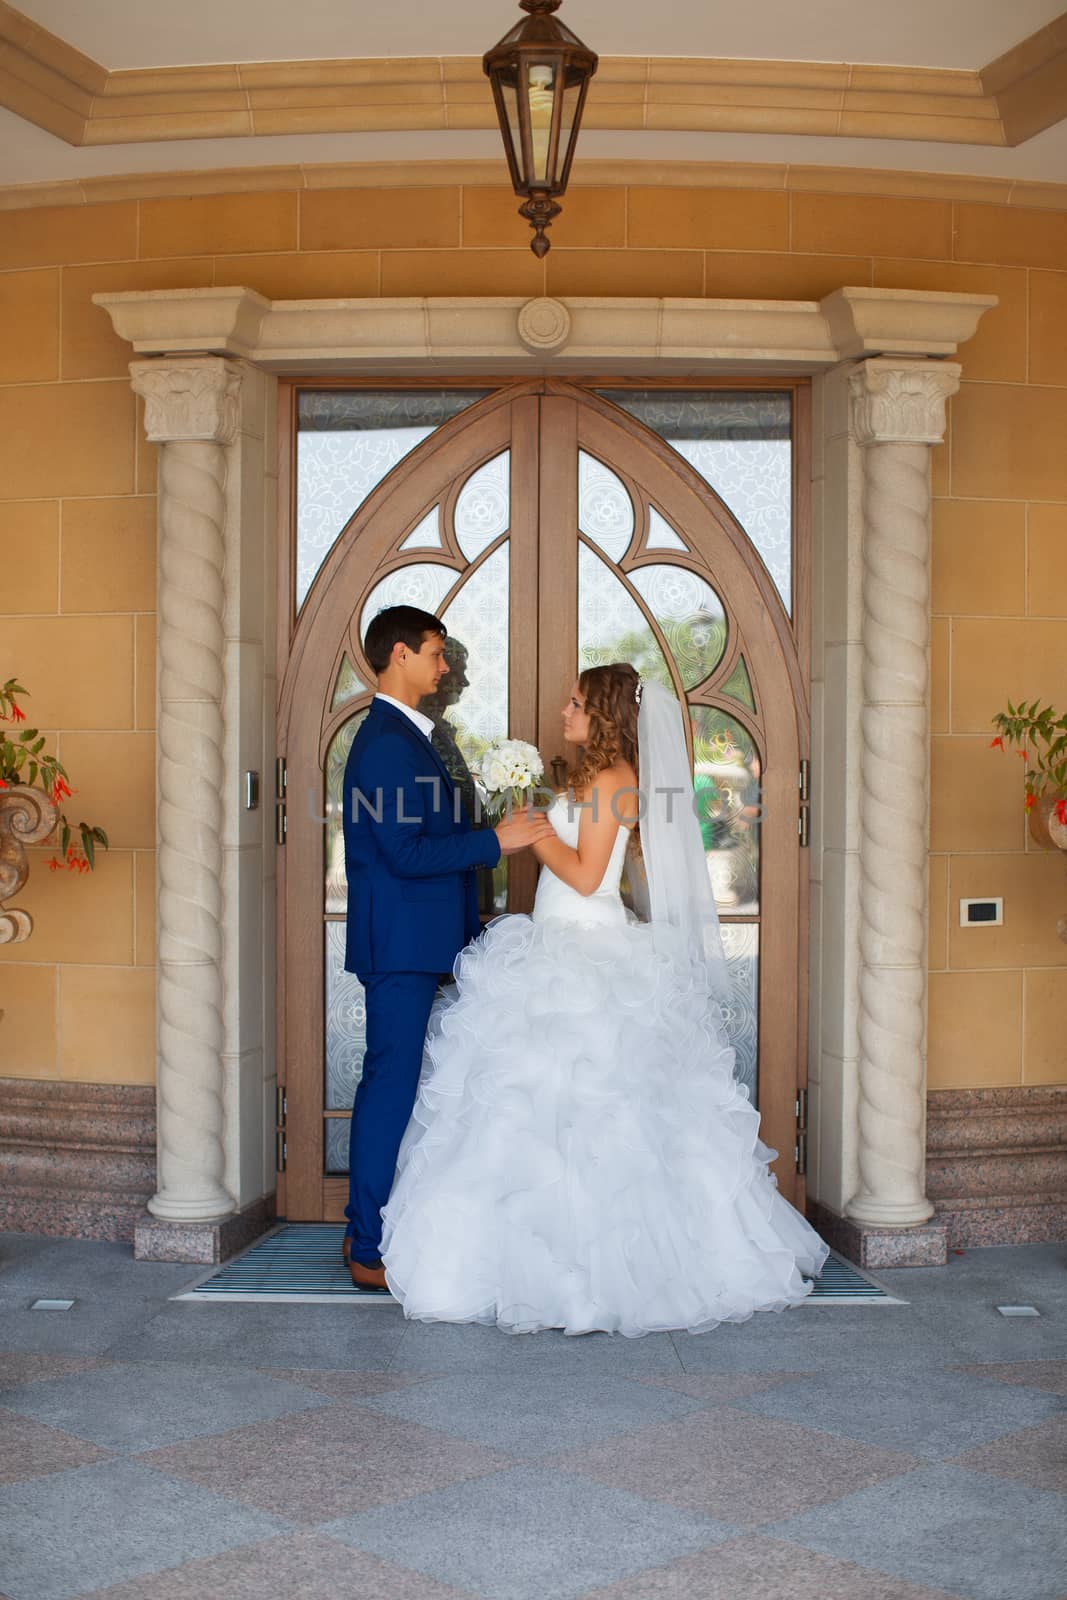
(1031, 801)
(53, 865)
(1024, 755)
(59, 790)
(3, 783)
(1060, 808)
(996, 744)
(16, 714)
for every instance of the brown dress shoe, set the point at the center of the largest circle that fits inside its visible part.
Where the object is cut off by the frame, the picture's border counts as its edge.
(365, 1277)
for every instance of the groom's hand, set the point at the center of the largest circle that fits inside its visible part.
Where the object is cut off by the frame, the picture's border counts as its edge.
(523, 831)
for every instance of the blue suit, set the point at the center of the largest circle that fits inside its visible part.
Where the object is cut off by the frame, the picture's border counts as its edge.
(410, 855)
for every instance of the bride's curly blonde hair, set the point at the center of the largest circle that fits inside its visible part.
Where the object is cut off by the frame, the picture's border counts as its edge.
(611, 706)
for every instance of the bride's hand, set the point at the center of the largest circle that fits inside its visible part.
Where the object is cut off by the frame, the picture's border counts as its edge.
(522, 832)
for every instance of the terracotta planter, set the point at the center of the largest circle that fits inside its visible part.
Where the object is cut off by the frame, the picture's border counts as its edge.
(27, 816)
(1045, 828)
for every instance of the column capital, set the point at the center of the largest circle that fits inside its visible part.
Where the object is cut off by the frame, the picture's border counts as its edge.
(901, 402)
(188, 398)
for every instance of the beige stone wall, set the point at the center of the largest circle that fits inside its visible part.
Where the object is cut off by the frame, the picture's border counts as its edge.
(77, 532)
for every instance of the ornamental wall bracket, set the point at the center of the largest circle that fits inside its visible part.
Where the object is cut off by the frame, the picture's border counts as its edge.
(27, 816)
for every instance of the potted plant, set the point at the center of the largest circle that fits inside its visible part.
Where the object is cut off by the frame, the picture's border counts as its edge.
(1041, 737)
(33, 786)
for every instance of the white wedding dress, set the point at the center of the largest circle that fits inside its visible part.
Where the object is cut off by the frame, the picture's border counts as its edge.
(580, 1155)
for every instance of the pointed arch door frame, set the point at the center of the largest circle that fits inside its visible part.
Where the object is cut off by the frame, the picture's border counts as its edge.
(207, 372)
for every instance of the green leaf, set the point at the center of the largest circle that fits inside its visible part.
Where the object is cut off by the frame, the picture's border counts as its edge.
(88, 845)
(64, 839)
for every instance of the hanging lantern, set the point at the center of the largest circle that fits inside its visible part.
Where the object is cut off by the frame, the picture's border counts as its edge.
(540, 73)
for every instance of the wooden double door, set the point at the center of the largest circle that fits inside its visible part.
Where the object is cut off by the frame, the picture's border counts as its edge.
(552, 526)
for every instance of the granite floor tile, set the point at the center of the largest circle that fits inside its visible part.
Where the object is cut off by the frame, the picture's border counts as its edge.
(338, 1338)
(767, 1568)
(735, 1467)
(91, 1269)
(528, 1534)
(289, 1567)
(827, 1340)
(73, 1532)
(326, 1464)
(720, 1387)
(440, 1346)
(930, 1414)
(90, 1328)
(351, 1385)
(968, 1532)
(140, 1406)
(28, 1449)
(25, 1366)
(1048, 1375)
(1036, 1456)
(527, 1416)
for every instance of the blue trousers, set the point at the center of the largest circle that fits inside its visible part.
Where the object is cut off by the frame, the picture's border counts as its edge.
(398, 1009)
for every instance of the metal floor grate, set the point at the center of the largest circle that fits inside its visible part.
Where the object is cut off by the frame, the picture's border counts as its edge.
(301, 1263)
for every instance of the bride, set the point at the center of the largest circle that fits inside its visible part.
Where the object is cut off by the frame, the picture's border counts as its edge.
(580, 1155)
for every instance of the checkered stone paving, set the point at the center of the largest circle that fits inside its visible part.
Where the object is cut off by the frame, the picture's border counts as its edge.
(262, 1452)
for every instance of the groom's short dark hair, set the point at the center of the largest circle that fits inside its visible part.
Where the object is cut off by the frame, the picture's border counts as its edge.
(398, 625)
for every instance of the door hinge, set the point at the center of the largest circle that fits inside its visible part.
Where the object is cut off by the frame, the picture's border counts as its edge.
(281, 1112)
(804, 795)
(281, 781)
(800, 1149)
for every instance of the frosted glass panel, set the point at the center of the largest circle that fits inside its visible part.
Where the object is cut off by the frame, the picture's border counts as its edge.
(484, 506)
(690, 614)
(347, 441)
(741, 943)
(726, 779)
(348, 686)
(605, 510)
(611, 625)
(336, 891)
(473, 699)
(740, 442)
(422, 583)
(661, 536)
(739, 685)
(427, 535)
(346, 1024)
(337, 1131)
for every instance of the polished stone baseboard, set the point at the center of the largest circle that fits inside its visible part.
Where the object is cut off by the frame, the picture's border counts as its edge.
(76, 1159)
(873, 1246)
(996, 1165)
(207, 1243)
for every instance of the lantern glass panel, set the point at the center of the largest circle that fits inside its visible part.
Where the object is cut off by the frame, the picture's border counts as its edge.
(541, 90)
(510, 98)
(572, 99)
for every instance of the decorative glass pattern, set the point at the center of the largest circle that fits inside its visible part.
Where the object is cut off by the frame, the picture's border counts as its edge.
(740, 942)
(739, 685)
(336, 894)
(661, 536)
(348, 685)
(726, 779)
(337, 1131)
(605, 510)
(346, 1024)
(740, 442)
(690, 614)
(421, 583)
(427, 534)
(484, 506)
(473, 699)
(347, 441)
(611, 625)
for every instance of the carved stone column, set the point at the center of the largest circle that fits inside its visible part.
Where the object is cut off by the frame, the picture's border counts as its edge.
(898, 413)
(191, 412)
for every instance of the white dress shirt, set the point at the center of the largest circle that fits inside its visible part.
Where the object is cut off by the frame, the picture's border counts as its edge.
(422, 722)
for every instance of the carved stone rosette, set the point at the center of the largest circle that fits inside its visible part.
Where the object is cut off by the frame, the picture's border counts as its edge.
(191, 411)
(898, 412)
(27, 816)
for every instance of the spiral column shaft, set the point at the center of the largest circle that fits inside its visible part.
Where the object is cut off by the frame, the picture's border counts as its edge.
(191, 411)
(898, 410)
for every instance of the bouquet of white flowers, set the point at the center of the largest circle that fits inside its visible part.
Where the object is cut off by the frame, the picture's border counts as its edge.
(509, 775)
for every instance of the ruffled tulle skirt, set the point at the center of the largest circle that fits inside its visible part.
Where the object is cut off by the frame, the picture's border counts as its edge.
(580, 1155)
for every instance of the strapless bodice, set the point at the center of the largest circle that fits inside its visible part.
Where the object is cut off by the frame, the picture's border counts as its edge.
(557, 900)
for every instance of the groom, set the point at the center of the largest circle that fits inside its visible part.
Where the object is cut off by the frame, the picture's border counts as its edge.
(411, 856)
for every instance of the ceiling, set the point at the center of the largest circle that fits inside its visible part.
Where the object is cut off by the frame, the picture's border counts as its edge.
(918, 33)
(727, 46)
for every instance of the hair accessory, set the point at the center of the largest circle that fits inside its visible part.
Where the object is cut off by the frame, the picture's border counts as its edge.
(639, 690)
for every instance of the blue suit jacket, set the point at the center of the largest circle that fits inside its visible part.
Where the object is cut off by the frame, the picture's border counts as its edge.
(410, 852)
